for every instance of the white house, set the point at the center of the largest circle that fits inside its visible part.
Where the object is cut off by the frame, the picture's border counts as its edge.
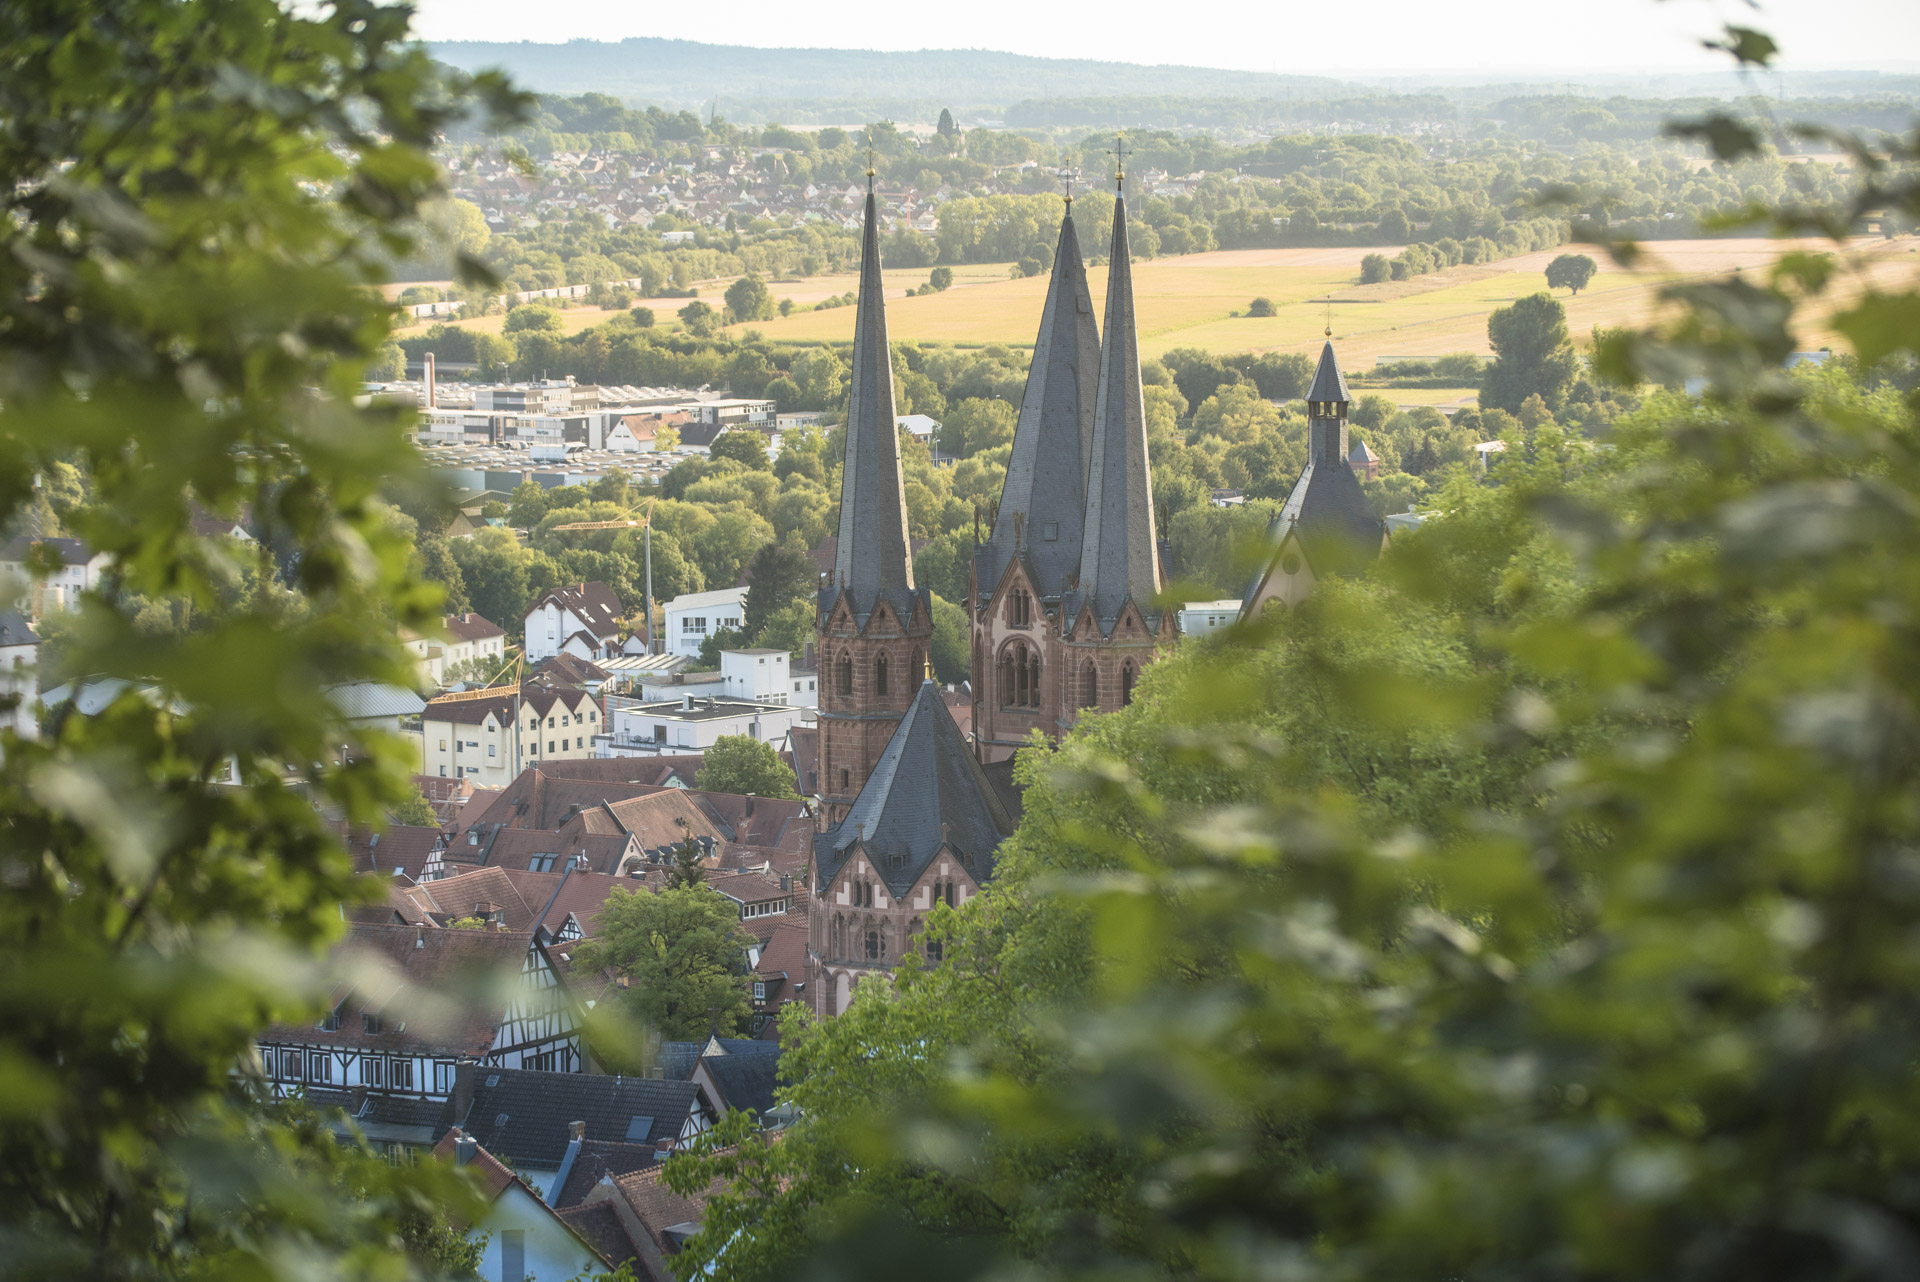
(688, 726)
(692, 617)
(472, 735)
(920, 427)
(19, 680)
(1204, 618)
(767, 676)
(526, 1239)
(78, 568)
(582, 619)
(469, 637)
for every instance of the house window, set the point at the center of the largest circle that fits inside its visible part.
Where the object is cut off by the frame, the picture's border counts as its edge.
(579, 742)
(443, 745)
(659, 734)
(319, 1068)
(493, 750)
(513, 1255)
(443, 772)
(400, 1074)
(759, 992)
(550, 745)
(541, 863)
(369, 1023)
(549, 723)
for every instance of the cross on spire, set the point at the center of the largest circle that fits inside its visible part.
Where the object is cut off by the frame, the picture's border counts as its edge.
(1067, 175)
(1120, 152)
(1329, 316)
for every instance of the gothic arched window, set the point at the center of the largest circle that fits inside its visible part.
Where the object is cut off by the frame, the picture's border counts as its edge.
(1126, 683)
(1089, 685)
(1033, 681)
(918, 672)
(846, 674)
(880, 675)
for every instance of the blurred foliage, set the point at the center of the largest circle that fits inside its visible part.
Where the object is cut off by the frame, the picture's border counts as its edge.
(1540, 906)
(198, 197)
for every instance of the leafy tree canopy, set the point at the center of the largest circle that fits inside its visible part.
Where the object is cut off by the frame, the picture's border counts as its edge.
(683, 954)
(744, 765)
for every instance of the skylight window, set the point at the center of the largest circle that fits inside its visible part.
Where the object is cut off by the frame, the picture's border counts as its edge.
(639, 1128)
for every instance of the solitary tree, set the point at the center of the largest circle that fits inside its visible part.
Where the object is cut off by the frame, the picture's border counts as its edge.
(699, 318)
(743, 765)
(1375, 268)
(1570, 271)
(1533, 355)
(689, 861)
(683, 955)
(777, 575)
(940, 278)
(749, 299)
(946, 127)
(1260, 307)
(744, 446)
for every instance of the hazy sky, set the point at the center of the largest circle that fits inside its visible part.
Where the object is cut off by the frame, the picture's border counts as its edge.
(1254, 35)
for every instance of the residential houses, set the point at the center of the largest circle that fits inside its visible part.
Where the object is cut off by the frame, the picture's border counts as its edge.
(19, 675)
(581, 619)
(525, 1239)
(694, 616)
(491, 735)
(467, 638)
(54, 571)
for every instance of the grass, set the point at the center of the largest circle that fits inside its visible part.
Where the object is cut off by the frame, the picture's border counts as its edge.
(1190, 301)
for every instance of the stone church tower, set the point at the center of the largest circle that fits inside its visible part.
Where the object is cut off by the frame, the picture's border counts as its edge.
(1063, 591)
(874, 627)
(1326, 526)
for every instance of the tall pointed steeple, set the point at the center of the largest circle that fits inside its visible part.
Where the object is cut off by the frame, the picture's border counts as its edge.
(872, 559)
(1119, 549)
(1044, 497)
(1327, 403)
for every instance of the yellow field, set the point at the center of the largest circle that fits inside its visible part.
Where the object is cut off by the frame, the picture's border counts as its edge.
(1190, 301)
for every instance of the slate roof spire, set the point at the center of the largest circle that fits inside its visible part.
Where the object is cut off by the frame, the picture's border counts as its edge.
(1043, 500)
(1118, 547)
(925, 792)
(1327, 402)
(871, 560)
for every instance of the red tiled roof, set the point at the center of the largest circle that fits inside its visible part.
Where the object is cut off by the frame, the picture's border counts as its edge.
(472, 627)
(402, 849)
(419, 981)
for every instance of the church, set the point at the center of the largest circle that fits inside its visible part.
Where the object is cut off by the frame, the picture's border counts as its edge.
(1062, 607)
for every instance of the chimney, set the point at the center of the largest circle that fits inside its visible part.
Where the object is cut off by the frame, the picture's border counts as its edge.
(427, 377)
(463, 1150)
(462, 1090)
(576, 1130)
(808, 660)
(419, 936)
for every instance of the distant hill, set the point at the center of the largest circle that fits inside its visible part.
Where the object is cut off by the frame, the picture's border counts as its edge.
(748, 82)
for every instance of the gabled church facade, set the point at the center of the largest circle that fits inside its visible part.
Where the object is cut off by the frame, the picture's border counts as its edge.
(1326, 526)
(1062, 592)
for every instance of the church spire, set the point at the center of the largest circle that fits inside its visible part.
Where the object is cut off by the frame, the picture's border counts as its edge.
(1327, 402)
(1119, 549)
(1044, 497)
(871, 560)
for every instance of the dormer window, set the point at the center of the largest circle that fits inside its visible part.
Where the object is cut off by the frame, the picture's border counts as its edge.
(369, 1023)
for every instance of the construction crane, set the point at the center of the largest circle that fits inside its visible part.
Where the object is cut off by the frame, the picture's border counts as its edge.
(645, 523)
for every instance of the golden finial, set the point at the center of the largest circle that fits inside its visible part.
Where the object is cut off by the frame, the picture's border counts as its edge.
(1067, 175)
(1329, 329)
